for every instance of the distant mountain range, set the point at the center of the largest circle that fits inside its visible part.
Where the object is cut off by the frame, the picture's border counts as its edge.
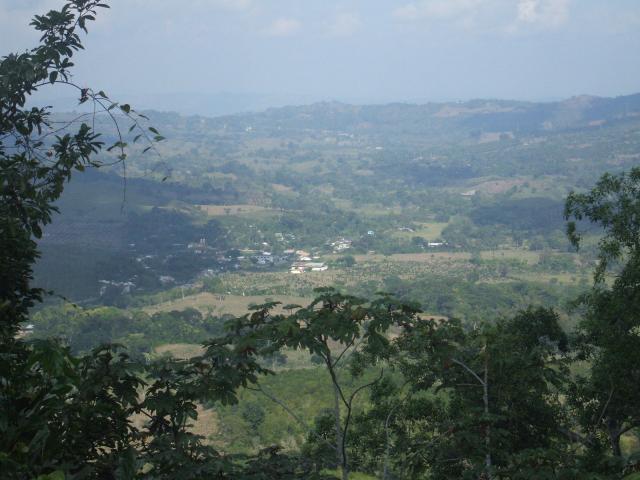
(475, 119)
(295, 112)
(481, 115)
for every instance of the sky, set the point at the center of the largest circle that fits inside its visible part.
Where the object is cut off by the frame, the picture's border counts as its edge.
(196, 55)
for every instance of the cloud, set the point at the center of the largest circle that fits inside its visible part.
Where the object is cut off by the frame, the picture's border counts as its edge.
(436, 9)
(344, 25)
(511, 16)
(283, 27)
(541, 13)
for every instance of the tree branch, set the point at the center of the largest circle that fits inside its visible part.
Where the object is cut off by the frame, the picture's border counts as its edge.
(286, 408)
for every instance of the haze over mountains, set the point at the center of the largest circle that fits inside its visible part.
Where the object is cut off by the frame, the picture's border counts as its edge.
(228, 103)
(575, 112)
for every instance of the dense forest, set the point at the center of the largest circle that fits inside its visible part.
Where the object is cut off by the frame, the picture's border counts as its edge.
(398, 292)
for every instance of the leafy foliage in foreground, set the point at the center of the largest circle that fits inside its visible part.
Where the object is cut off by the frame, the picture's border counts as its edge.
(61, 414)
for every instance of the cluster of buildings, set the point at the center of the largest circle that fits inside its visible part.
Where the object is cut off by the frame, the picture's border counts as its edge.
(268, 258)
(199, 247)
(302, 267)
(301, 260)
(305, 262)
(341, 245)
(123, 288)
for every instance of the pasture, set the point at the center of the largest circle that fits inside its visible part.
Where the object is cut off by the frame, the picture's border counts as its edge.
(429, 230)
(227, 210)
(220, 304)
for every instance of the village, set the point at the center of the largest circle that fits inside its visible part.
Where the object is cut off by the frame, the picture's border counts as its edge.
(186, 264)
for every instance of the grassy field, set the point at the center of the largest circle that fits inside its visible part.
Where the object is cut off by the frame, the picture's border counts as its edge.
(564, 278)
(431, 257)
(295, 359)
(179, 350)
(240, 209)
(527, 256)
(371, 269)
(429, 230)
(367, 210)
(413, 257)
(219, 304)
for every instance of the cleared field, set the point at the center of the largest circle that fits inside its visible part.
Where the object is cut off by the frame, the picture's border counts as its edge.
(522, 255)
(240, 209)
(296, 359)
(497, 185)
(179, 350)
(413, 257)
(430, 257)
(565, 278)
(428, 230)
(281, 188)
(367, 210)
(219, 304)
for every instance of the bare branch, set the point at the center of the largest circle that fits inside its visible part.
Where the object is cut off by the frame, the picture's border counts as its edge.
(468, 369)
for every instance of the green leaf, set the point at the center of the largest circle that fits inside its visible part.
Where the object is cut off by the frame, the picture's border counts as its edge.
(53, 76)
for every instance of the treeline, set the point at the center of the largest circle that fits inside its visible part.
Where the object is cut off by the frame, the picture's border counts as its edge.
(85, 329)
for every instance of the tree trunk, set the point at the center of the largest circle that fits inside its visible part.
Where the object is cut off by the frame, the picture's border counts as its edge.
(614, 437)
(342, 461)
(387, 447)
(487, 428)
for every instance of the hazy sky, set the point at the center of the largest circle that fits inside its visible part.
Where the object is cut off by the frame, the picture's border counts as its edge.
(355, 50)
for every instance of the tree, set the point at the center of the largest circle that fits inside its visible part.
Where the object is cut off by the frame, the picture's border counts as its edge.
(62, 415)
(339, 329)
(606, 400)
(478, 403)
(38, 157)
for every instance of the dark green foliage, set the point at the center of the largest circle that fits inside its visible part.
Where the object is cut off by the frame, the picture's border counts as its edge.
(84, 329)
(528, 214)
(270, 463)
(613, 205)
(479, 402)
(253, 414)
(63, 416)
(606, 401)
(343, 331)
(345, 261)
(475, 302)
(69, 414)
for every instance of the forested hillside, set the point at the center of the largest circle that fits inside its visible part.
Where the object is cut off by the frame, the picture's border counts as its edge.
(414, 176)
